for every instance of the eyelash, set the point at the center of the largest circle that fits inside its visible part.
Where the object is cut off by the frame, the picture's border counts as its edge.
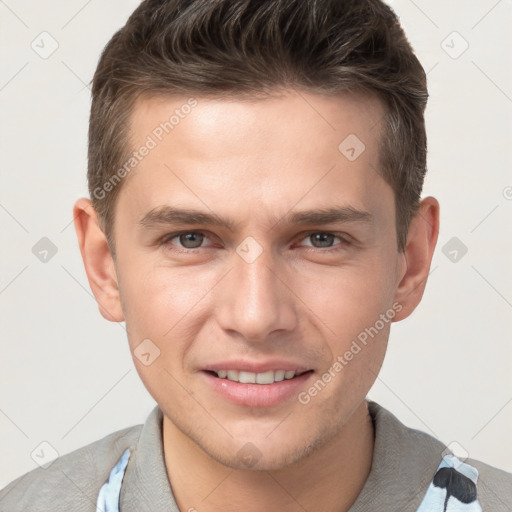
(165, 240)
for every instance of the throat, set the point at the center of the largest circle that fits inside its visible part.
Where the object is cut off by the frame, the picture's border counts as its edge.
(197, 468)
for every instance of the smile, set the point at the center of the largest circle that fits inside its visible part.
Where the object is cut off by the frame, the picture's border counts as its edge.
(264, 389)
(268, 377)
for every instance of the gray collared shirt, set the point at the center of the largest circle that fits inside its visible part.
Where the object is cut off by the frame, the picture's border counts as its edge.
(404, 462)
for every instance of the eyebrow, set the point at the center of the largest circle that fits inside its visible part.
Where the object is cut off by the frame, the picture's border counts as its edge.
(168, 215)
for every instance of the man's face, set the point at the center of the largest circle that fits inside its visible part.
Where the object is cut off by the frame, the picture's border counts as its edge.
(271, 293)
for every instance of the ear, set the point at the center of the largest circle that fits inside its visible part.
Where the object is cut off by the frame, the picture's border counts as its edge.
(421, 242)
(98, 262)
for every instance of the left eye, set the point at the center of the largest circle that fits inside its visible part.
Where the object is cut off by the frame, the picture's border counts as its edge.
(322, 238)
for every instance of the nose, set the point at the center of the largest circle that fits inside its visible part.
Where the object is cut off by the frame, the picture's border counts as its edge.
(254, 299)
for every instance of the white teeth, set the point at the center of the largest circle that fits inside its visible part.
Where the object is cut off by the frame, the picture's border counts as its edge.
(279, 375)
(265, 377)
(247, 377)
(244, 377)
(232, 375)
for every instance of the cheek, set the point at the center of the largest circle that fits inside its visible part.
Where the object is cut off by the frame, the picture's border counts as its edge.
(163, 304)
(157, 303)
(348, 299)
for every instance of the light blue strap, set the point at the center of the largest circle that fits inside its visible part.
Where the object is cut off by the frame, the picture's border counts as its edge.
(453, 488)
(108, 497)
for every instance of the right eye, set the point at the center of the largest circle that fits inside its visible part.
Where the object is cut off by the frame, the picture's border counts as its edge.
(189, 240)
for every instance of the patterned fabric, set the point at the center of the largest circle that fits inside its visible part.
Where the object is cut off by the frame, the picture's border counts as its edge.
(453, 488)
(108, 498)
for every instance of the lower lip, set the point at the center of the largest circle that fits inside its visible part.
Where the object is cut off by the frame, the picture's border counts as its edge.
(257, 395)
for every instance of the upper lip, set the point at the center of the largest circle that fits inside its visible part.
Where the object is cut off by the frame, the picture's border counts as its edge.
(257, 366)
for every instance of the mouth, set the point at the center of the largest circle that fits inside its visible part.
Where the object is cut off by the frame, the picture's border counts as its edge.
(264, 378)
(263, 389)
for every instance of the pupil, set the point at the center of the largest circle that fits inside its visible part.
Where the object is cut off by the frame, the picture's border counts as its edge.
(186, 238)
(321, 237)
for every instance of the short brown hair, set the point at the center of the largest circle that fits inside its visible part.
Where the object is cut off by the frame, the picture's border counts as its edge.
(239, 48)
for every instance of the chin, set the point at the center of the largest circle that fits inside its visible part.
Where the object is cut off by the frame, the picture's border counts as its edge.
(261, 456)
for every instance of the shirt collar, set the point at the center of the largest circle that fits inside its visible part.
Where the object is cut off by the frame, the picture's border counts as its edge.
(402, 467)
(145, 484)
(404, 462)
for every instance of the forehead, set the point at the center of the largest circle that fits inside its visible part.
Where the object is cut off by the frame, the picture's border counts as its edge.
(270, 154)
(235, 125)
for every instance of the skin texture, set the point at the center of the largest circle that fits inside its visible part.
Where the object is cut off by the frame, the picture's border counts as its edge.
(300, 300)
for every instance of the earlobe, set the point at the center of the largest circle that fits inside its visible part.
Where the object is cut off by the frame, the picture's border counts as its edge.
(98, 262)
(421, 242)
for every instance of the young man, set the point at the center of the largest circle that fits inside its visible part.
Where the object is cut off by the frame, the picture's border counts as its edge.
(255, 171)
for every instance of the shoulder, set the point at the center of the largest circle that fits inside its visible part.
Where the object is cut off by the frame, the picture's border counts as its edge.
(417, 449)
(72, 481)
(494, 486)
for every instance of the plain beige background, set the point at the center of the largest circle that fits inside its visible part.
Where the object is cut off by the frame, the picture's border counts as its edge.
(67, 377)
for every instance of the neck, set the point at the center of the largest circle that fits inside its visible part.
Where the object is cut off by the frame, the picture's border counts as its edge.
(330, 479)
